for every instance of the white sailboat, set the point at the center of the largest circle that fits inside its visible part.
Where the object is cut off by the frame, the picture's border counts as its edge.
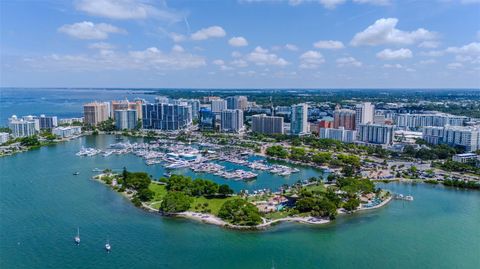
(108, 247)
(77, 237)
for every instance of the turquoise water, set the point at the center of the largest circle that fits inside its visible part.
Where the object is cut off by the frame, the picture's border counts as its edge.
(42, 203)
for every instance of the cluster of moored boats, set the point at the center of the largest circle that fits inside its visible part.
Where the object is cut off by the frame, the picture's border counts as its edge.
(181, 155)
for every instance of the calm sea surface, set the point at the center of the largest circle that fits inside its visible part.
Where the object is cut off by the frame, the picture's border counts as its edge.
(42, 203)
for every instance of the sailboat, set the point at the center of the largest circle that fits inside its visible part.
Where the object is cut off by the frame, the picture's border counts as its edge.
(107, 246)
(77, 238)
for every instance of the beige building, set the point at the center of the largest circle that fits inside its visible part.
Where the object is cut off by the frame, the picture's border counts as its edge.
(95, 112)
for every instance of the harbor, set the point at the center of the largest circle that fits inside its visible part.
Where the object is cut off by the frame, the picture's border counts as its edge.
(199, 158)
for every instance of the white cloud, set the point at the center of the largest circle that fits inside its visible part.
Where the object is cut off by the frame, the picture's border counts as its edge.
(127, 9)
(328, 44)
(400, 54)
(101, 46)
(148, 59)
(206, 33)
(469, 49)
(177, 48)
(429, 61)
(433, 53)
(398, 66)
(383, 31)
(89, 30)
(348, 61)
(239, 63)
(236, 54)
(291, 47)
(261, 56)
(454, 66)
(374, 2)
(218, 62)
(469, 53)
(429, 44)
(238, 41)
(177, 37)
(331, 4)
(311, 59)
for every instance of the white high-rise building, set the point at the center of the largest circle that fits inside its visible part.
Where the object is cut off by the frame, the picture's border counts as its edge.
(231, 120)
(364, 113)
(218, 105)
(22, 127)
(299, 119)
(376, 134)
(416, 121)
(467, 137)
(125, 119)
(264, 124)
(340, 134)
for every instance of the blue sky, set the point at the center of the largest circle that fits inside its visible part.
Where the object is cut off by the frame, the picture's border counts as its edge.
(241, 44)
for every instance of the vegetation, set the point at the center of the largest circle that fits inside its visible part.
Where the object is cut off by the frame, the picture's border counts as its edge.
(462, 184)
(432, 152)
(240, 212)
(175, 202)
(29, 141)
(452, 166)
(107, 126)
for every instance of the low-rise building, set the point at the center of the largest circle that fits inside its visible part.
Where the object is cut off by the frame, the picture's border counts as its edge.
(465, 158)
(4, 137)
(68, 131)
(340, 134)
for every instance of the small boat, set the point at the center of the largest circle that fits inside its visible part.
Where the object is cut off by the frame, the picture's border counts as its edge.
(409, 198)
(76, 173)
(107, 246)
(77, 237)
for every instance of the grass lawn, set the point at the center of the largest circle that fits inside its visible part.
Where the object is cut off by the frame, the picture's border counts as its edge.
(316, 188)
(277, 215)
(214, 204)
(159, 190)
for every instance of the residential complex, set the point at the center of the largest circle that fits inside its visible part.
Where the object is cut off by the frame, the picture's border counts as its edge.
(418, 121)
(166, 117)
(47, 122)
(344, 118)
(231, 120)
(299, 119)
(364, 113)
(340, 134)
(65, 132)
(264, 124)
(464, 136)
(4, 137)
(237, 102)
(126, 119)
(207, 120)
(22, 127)
(218, 105)
(96, 112)
(375, 134)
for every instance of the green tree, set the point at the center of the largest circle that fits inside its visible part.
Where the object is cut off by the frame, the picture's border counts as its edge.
(240, 212)
(351, 204)
(175, 202)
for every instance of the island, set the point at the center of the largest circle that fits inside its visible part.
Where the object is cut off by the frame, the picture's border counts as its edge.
(314, 202)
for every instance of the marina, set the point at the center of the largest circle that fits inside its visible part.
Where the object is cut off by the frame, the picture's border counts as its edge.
(200, 158)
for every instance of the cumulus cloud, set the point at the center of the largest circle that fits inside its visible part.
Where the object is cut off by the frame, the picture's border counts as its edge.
(218, 62)
(101, 46)
(177, 48)
(429, 44)
(261, 56)
(239, 63)
(348, 61)
(311, 59)
(400, 54)
(238, 41)
(454, 66)
(469, 53)
(177, 37)
(384, 31)
(373, 2)
(328, 44)
(331, 4)
(89, 30)
(291, 47)
(127, 9)
(206, 33)
(149, 59)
